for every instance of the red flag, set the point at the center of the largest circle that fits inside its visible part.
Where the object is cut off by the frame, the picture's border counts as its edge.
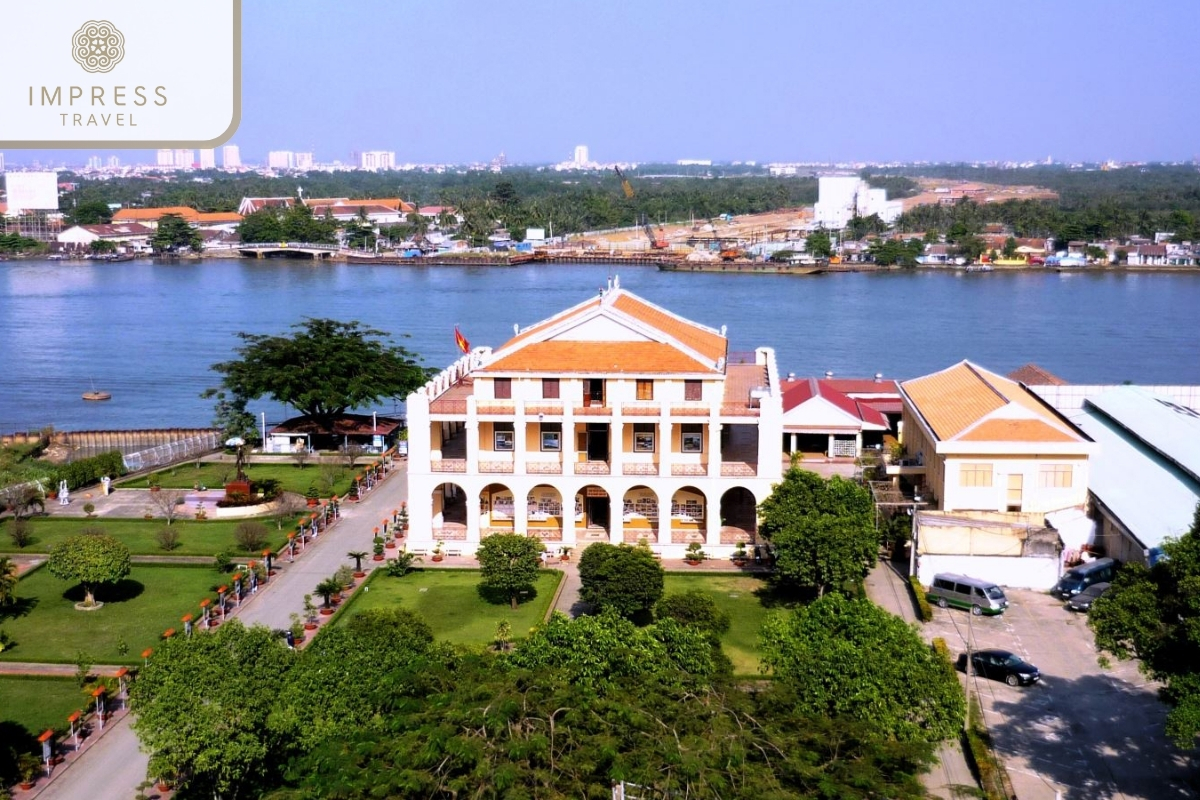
(461, 341)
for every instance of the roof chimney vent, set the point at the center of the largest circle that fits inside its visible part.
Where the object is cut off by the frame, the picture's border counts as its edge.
(723, 329)
(878, 377)
(516, 328)
(791, 376)
(828, 374)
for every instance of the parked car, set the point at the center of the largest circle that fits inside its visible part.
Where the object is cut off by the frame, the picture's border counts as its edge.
(1001, 665)
(961, 591)
(1083, 601)
(1076, 579)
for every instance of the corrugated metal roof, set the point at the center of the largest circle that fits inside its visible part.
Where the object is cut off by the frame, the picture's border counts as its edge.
(1151, 493)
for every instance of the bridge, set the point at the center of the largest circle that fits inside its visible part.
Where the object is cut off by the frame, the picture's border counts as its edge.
(288, 250)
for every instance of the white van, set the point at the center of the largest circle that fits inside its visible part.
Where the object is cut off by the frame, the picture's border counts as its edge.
(961, 591)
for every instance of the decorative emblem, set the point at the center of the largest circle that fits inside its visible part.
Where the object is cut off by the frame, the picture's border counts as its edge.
(98, 46)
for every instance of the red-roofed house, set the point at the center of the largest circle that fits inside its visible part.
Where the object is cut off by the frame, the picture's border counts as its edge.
(249, 205)
(128, 237)
(613, 421)
(347, 210)
(150, 216)
(818, 418)
(375, 434)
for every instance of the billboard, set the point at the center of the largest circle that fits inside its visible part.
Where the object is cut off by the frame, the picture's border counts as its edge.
(31, 191)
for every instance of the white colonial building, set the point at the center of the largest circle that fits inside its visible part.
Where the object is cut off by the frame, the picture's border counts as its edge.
(614, 421)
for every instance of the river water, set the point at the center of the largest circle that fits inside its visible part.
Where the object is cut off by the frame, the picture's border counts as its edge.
(147, 332)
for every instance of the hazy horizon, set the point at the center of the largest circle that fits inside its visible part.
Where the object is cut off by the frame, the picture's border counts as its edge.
(763, 80)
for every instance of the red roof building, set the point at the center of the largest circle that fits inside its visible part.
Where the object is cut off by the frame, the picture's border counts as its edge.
(820, 418)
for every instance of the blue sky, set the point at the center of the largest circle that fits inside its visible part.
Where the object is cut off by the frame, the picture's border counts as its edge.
(766, 80)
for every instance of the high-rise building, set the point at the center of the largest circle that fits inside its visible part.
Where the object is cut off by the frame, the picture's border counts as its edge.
(581, 155)
(281, 159)
(114, 162)
(304, 161)
(93, 162)
(377, 160)
(208, 159)
(231, 156)
(166, 158)
(185, 159)
(1, 162)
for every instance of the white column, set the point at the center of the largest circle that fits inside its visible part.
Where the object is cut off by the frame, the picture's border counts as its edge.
(664, 517)
(474, 518)
(712, 523)
(829, 447)
(519, 436)
(568, 518)
(616, 520)
(793, 448)
(568, 440)
(472, 433)
(520, 512)
(858, 444)
(715, 459)
(616, 443)
(664, 447)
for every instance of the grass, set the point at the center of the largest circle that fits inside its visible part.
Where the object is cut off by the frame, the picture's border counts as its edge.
(46, 626)
(746, 598)
(37, 703)
(449, 600)
(215, 474)
(195, 538)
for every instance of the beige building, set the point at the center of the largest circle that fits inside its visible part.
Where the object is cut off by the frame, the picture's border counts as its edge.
(614, 420)
(977, 441)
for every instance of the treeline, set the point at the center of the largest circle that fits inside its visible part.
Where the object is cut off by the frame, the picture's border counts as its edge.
(1039, 218)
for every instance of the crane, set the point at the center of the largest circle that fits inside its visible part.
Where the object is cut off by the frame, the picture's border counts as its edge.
(657, 241)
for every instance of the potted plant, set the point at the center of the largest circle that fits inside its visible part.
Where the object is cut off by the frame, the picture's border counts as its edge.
(154, 481)
(694, 554)
(345, 576)
(297, 628)
(402, 520)
(327, 589)
(310, 614)
(312, 496)
(89, 508)
(377, 548)
(739, 554)
(437, 551)
(564, 553)
(358, 556)
(165, 781)
(29, 767)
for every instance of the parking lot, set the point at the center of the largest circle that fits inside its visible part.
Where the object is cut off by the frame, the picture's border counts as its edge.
(1084, 731)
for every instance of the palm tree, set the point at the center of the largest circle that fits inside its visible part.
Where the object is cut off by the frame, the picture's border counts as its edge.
(327, 589)
(8, 581)
(358, 556)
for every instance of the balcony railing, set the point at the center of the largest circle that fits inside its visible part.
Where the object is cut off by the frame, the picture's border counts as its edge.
(641, 410)
(549, 409)
(543, 468)
(738, 410)
(639, 469)
(449, 465)
(448, 405)
(738, 469)
(505, 407)
(496, 466)
(689, 411)
(592, 468)
(593, 411)
(689, 470)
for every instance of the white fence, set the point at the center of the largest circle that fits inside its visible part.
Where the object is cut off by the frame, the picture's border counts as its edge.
(173, 451)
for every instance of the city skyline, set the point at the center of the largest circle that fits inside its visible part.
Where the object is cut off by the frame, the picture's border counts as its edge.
(774, 82)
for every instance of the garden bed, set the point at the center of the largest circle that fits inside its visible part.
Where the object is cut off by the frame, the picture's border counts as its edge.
(745, 598)
(195, 538)
(215, 474)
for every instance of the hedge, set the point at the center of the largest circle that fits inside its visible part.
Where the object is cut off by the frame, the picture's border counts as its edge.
(922, 600)
(993, 778)
(87, 471)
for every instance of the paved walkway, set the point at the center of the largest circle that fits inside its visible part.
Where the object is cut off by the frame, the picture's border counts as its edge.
(114, 766)
(888, 589)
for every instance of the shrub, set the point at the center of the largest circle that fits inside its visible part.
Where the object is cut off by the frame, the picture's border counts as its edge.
(269, 488)
(89, 470)
(89, 508)
(20, 530)
(401, 565)
(168, 538)
(694, 608)
(221, 561)
(344, 575)
(251, 536)
(922, 600)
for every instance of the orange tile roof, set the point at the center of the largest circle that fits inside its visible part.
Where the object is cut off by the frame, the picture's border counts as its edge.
(219, 216)
(597, 357)
(1033, 375)
(538, 327)
(140, 214)
(708, 343)
(1015, 430)
(953, 400)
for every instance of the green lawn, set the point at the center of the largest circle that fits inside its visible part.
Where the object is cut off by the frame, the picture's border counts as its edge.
(215, 475)
(195, 538)
(449, 601)
(37, 703)
(745, 598)
(46, 626)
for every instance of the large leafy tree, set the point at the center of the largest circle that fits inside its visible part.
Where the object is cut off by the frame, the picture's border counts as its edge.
(1153, 614)
(203, 706)
(625, 579)
(823, 530)
(91, 559)
(510, 564)
(849, 658)
(174, 234)
(90, 212)
(323, 368)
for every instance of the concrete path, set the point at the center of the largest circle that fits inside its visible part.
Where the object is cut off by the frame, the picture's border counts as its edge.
(888, 589)
(114, 766)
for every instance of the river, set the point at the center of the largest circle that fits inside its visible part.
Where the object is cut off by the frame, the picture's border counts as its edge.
(147, 332)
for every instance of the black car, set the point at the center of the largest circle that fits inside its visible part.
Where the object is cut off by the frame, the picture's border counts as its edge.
(1001, 665)
(1083, 601)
